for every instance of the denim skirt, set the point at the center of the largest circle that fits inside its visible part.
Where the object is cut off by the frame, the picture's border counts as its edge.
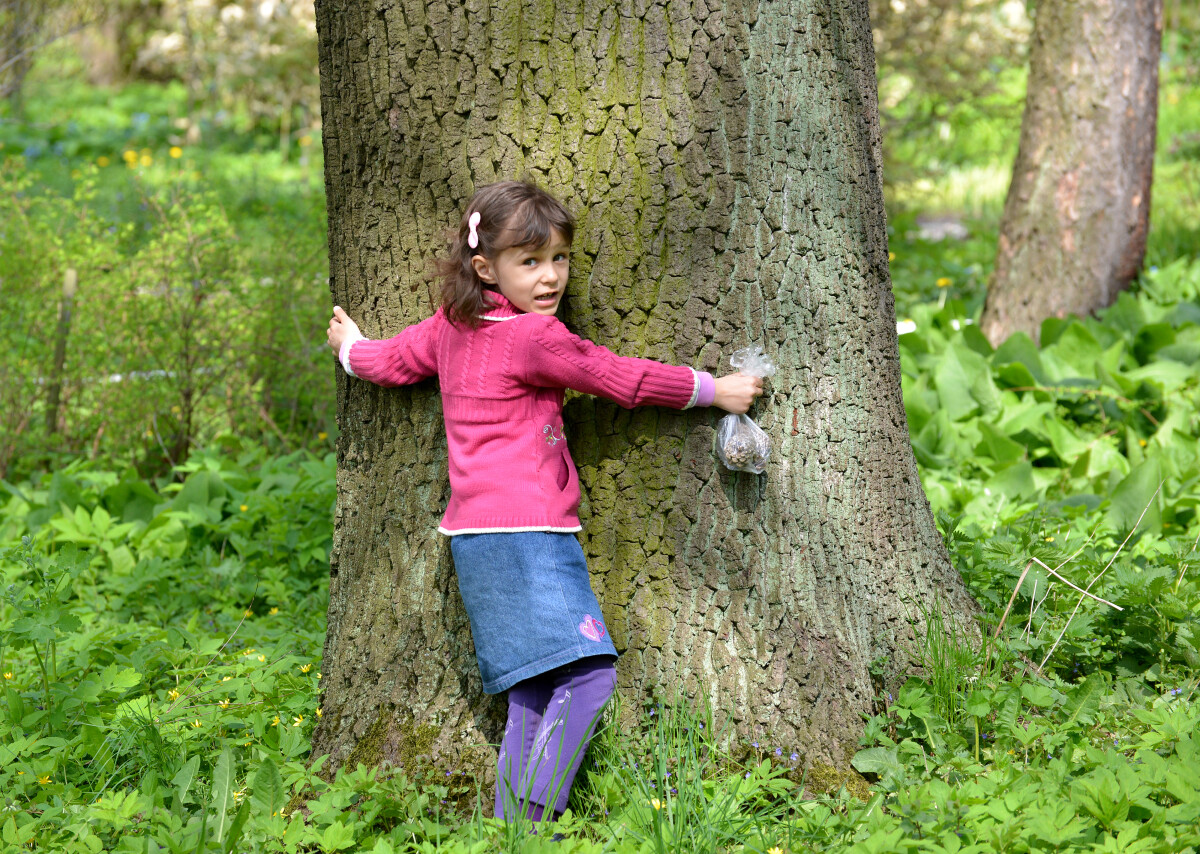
(531, 604)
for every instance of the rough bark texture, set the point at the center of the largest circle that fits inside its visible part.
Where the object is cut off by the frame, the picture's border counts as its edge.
(1073, 233)
(724, 163)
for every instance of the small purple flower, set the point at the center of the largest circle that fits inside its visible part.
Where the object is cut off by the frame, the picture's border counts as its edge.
(779, 751)
(754, 744)
(795, 756)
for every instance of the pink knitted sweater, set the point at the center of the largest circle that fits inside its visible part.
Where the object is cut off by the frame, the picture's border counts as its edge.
(502, 397)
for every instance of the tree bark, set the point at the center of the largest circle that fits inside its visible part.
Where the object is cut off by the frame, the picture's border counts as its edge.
(1073, 233)
(724, 164)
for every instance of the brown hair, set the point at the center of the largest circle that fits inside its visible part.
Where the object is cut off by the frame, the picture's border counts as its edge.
(511, 213)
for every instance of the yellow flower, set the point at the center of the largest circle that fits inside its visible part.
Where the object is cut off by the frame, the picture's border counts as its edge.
(175, 410)
(943, 282)
(226, 678)
(196, 724)
(275, 721)
(250, 651)
(262, 658)
(318, 674)
(239, 795)
(1142, 442)
(129, 156)
(244, 507)
(305, 140)
(102, 161)
(176, 152)
(891, 256)
(775, 850)
(145, 160)
(249, 613)
(1049, 539)
(8, 674)
(224, 704)
(44, 779)
(656, 803)
(273, 611)
(319, 711)
(172, 695)
(322, 436)
(304, 668)
(298, 720)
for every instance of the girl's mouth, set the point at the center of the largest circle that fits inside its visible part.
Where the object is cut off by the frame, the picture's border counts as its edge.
(547, 298)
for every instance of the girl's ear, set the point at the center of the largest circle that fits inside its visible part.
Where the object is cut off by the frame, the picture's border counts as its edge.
(483, 269)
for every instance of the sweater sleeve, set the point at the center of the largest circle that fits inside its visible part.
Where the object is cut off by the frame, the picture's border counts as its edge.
(402, 359)
(557, 358)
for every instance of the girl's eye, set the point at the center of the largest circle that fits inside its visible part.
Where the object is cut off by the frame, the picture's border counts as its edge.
(529, 261)
(560, 257)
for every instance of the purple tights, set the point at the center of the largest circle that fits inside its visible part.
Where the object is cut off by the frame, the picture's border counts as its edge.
(550, 721)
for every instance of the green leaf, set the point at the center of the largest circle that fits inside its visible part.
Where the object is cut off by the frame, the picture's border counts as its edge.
(883, 761)
(1083, 703)
(954, 380)
(1019, 350)
(222, 793)
(1137, 494)
(235, 829)
(267, 789)
(183, 779)
(336, 837)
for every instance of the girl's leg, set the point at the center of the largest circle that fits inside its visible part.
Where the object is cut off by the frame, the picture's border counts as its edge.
(580, 691)
(527, 701)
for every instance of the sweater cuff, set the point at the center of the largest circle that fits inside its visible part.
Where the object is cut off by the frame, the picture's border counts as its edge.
(704, 389)
(344, 353)
(707, 392)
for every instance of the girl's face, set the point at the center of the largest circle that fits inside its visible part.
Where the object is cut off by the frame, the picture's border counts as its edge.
(532, 278)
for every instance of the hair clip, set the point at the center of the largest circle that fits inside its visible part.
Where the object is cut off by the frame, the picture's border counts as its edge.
(472, 234)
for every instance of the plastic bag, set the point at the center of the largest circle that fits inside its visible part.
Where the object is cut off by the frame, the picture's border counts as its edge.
(741, 444)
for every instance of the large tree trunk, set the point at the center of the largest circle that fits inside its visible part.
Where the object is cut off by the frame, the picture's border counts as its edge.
(725, 168)
(1073, 233)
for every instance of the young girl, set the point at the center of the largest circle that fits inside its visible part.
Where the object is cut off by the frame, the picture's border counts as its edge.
(503, 361)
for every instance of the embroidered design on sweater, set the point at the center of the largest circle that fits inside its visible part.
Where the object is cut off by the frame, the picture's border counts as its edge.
(591, 628)
(554, 435)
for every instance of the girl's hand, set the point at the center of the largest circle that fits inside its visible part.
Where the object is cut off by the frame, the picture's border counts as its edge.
(341, 327)
(736, 392)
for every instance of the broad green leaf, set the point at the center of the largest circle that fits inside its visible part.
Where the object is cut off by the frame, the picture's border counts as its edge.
(1135, 495)
(997, 446)
(883, 761)
(222, 793)
(184, 777)
(1015, 481)
(954, 381)
(1019, 349)
(1078, 348)
(1083, 703)
(267, 789)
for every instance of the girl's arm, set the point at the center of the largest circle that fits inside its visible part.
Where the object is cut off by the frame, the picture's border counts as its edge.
(555, 357)
(403, 359)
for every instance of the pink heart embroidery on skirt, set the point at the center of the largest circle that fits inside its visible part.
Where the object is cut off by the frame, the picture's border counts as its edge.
(591, 628)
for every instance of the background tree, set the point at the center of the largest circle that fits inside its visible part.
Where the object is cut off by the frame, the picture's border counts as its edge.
(1073, 233)
(725, 167)
(28, 26)
(941, 64)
